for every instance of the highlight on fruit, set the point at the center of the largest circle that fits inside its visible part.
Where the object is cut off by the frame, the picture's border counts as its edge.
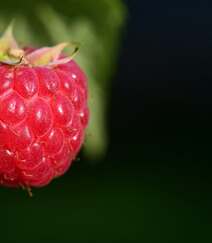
(43, 112)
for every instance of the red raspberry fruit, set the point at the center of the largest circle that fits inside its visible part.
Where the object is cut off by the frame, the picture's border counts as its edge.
(43, 113)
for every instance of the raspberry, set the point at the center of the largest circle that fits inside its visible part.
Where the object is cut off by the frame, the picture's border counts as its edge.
(43, 113)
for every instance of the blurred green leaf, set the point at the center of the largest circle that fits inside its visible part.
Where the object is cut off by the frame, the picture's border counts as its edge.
(97, 25)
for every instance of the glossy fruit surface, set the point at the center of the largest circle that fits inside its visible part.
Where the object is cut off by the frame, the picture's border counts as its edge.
(43, 116)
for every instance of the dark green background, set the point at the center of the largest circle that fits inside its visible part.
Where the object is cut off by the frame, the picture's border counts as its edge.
(111, 203)
(154, 183)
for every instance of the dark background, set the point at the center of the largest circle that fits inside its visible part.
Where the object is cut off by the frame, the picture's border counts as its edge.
(162, 93)
(155, 183)
(161, 108)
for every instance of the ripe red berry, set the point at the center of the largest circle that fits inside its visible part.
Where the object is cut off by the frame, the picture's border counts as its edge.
(43, 115)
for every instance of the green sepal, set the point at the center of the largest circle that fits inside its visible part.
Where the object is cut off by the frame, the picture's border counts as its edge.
(7, 41)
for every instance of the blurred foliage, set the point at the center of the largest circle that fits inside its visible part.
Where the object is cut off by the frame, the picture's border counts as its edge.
(96, 25)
